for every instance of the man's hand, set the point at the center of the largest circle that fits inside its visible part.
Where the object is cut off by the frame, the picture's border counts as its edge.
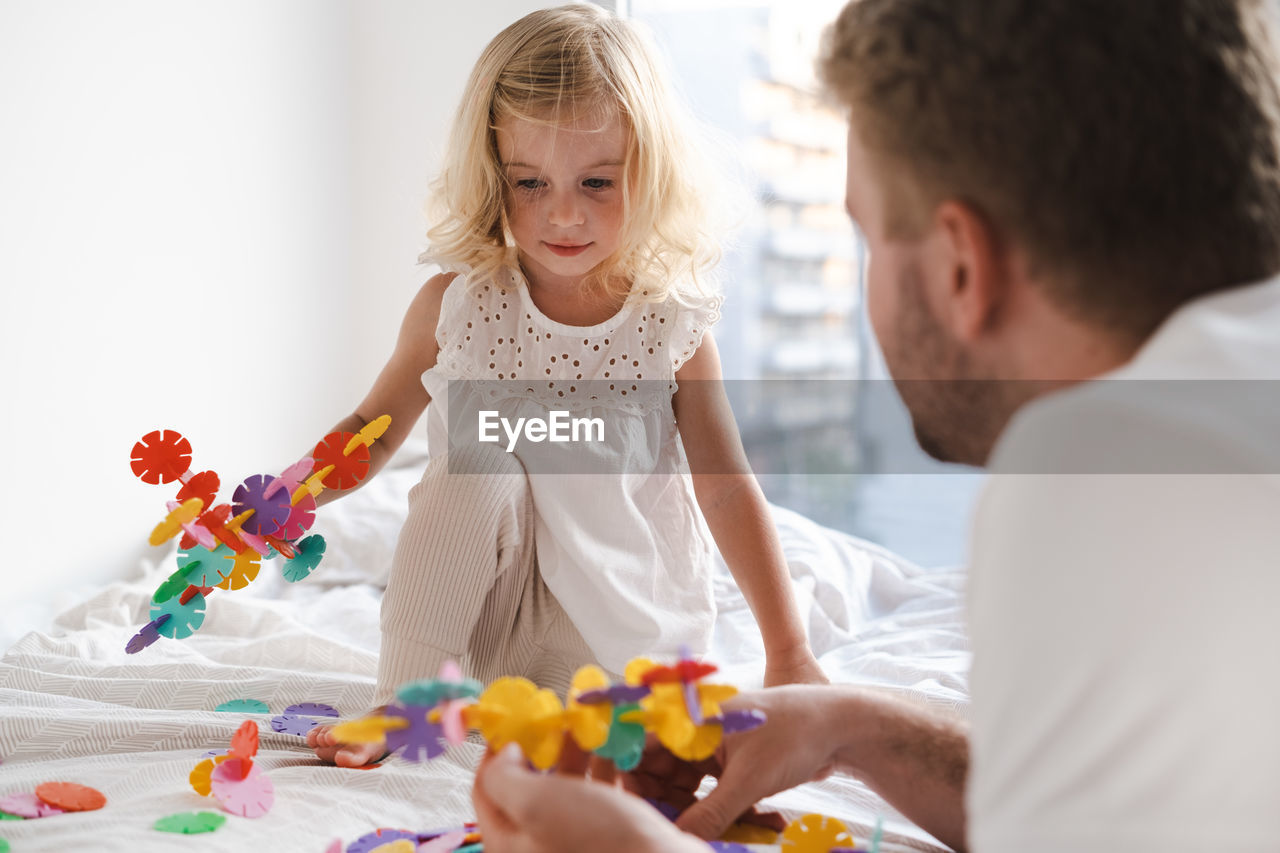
(797, 744)
(520, 811)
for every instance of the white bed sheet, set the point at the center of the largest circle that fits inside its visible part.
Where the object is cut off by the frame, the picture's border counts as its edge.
(75, 707)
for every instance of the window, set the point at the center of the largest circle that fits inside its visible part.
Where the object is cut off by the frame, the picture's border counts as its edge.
(825, 432)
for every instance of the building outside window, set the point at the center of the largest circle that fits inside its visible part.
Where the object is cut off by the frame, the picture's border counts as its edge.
(825, 432)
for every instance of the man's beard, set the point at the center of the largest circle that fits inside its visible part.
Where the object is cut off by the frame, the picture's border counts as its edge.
(956, 414)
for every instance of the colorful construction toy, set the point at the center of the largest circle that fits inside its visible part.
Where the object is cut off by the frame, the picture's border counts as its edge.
(223, 545)
(608, 719)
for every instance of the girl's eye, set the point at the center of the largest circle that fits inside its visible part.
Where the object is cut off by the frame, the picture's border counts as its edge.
(529, 184)
(597, 183)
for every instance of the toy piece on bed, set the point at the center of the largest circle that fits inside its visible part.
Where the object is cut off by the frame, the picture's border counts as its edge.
(223, 545)
(50, 799)
(190, 823)
(239, 785)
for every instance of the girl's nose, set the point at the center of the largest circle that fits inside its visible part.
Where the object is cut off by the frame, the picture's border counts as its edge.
(564, 210)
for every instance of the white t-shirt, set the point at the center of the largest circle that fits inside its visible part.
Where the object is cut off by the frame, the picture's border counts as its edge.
(620, 540)
(1126, 626)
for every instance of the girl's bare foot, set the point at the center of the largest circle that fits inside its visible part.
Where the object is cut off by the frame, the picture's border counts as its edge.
(333, 751)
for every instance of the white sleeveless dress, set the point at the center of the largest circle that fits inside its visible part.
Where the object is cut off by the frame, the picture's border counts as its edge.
(619, 537)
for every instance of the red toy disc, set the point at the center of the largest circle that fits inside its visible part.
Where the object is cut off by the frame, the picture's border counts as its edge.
(162, 456)
(203, 486)
(347, 470)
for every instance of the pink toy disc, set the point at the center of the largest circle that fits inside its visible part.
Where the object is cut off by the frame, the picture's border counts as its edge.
(27, 805)
(251, 796)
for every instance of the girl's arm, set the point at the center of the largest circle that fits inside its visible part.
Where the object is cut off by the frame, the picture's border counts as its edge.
(738, 516)
(398, 390)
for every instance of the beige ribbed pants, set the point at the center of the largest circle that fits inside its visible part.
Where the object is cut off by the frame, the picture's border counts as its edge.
(465, 584)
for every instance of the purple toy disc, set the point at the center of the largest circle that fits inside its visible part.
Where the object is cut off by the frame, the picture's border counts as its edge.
(148, 635)
(733, 722)
(293, 724)
(268, 513)
(421, 740)
(312, 709)
(379, 837)
(733, 847)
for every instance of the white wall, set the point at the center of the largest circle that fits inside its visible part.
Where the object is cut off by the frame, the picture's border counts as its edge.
(209, 217)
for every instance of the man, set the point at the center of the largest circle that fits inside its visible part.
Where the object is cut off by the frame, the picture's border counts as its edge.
(1054, 191)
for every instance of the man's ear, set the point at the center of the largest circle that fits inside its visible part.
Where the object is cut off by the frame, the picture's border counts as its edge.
(977, 282)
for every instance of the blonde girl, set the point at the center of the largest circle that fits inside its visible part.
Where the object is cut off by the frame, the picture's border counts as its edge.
(570, 216)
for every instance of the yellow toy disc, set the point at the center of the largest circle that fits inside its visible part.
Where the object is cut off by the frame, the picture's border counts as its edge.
(815, 833)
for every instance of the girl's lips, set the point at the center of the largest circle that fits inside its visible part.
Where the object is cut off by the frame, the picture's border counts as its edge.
(566, 251)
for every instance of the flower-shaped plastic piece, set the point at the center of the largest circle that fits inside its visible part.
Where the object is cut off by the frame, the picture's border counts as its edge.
(444, 843)
(244, 569)
(310, 552)
(248, 793)
(312, 709)
(448, 685)
(371, 729)
(161, 456)
(369, 842)
(292, 724)
(814, 833)
(149, 634)
(236, 526)
(733, 722)
(419, 738)
(268, 512)
(348, 468)
(665, 713)
(202, 774)
(207, 567)
(185, 617)
(190, 823)
(244, 743)
(283, 547)
(215, 521)
(625, 746)
(368, 434)
(70, 796)
(203, 485)
(302, 514)
(244, 706)
(402, 845)
(588, 723)
(27, 805)
(515, 710)
(179, 515)
(172, 586)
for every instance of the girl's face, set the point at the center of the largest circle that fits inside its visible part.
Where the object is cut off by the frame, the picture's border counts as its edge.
(564, 204)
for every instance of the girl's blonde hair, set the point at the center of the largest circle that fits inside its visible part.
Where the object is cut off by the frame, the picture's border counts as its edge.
(555, 67)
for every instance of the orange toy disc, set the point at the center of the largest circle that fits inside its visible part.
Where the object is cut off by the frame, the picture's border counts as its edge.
(70, 797)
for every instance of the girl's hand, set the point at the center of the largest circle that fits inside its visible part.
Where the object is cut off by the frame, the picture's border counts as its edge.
(796, 666)
(520, 811)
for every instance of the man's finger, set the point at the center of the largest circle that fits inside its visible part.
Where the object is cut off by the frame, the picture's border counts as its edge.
(713, 814)
(504, 779)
